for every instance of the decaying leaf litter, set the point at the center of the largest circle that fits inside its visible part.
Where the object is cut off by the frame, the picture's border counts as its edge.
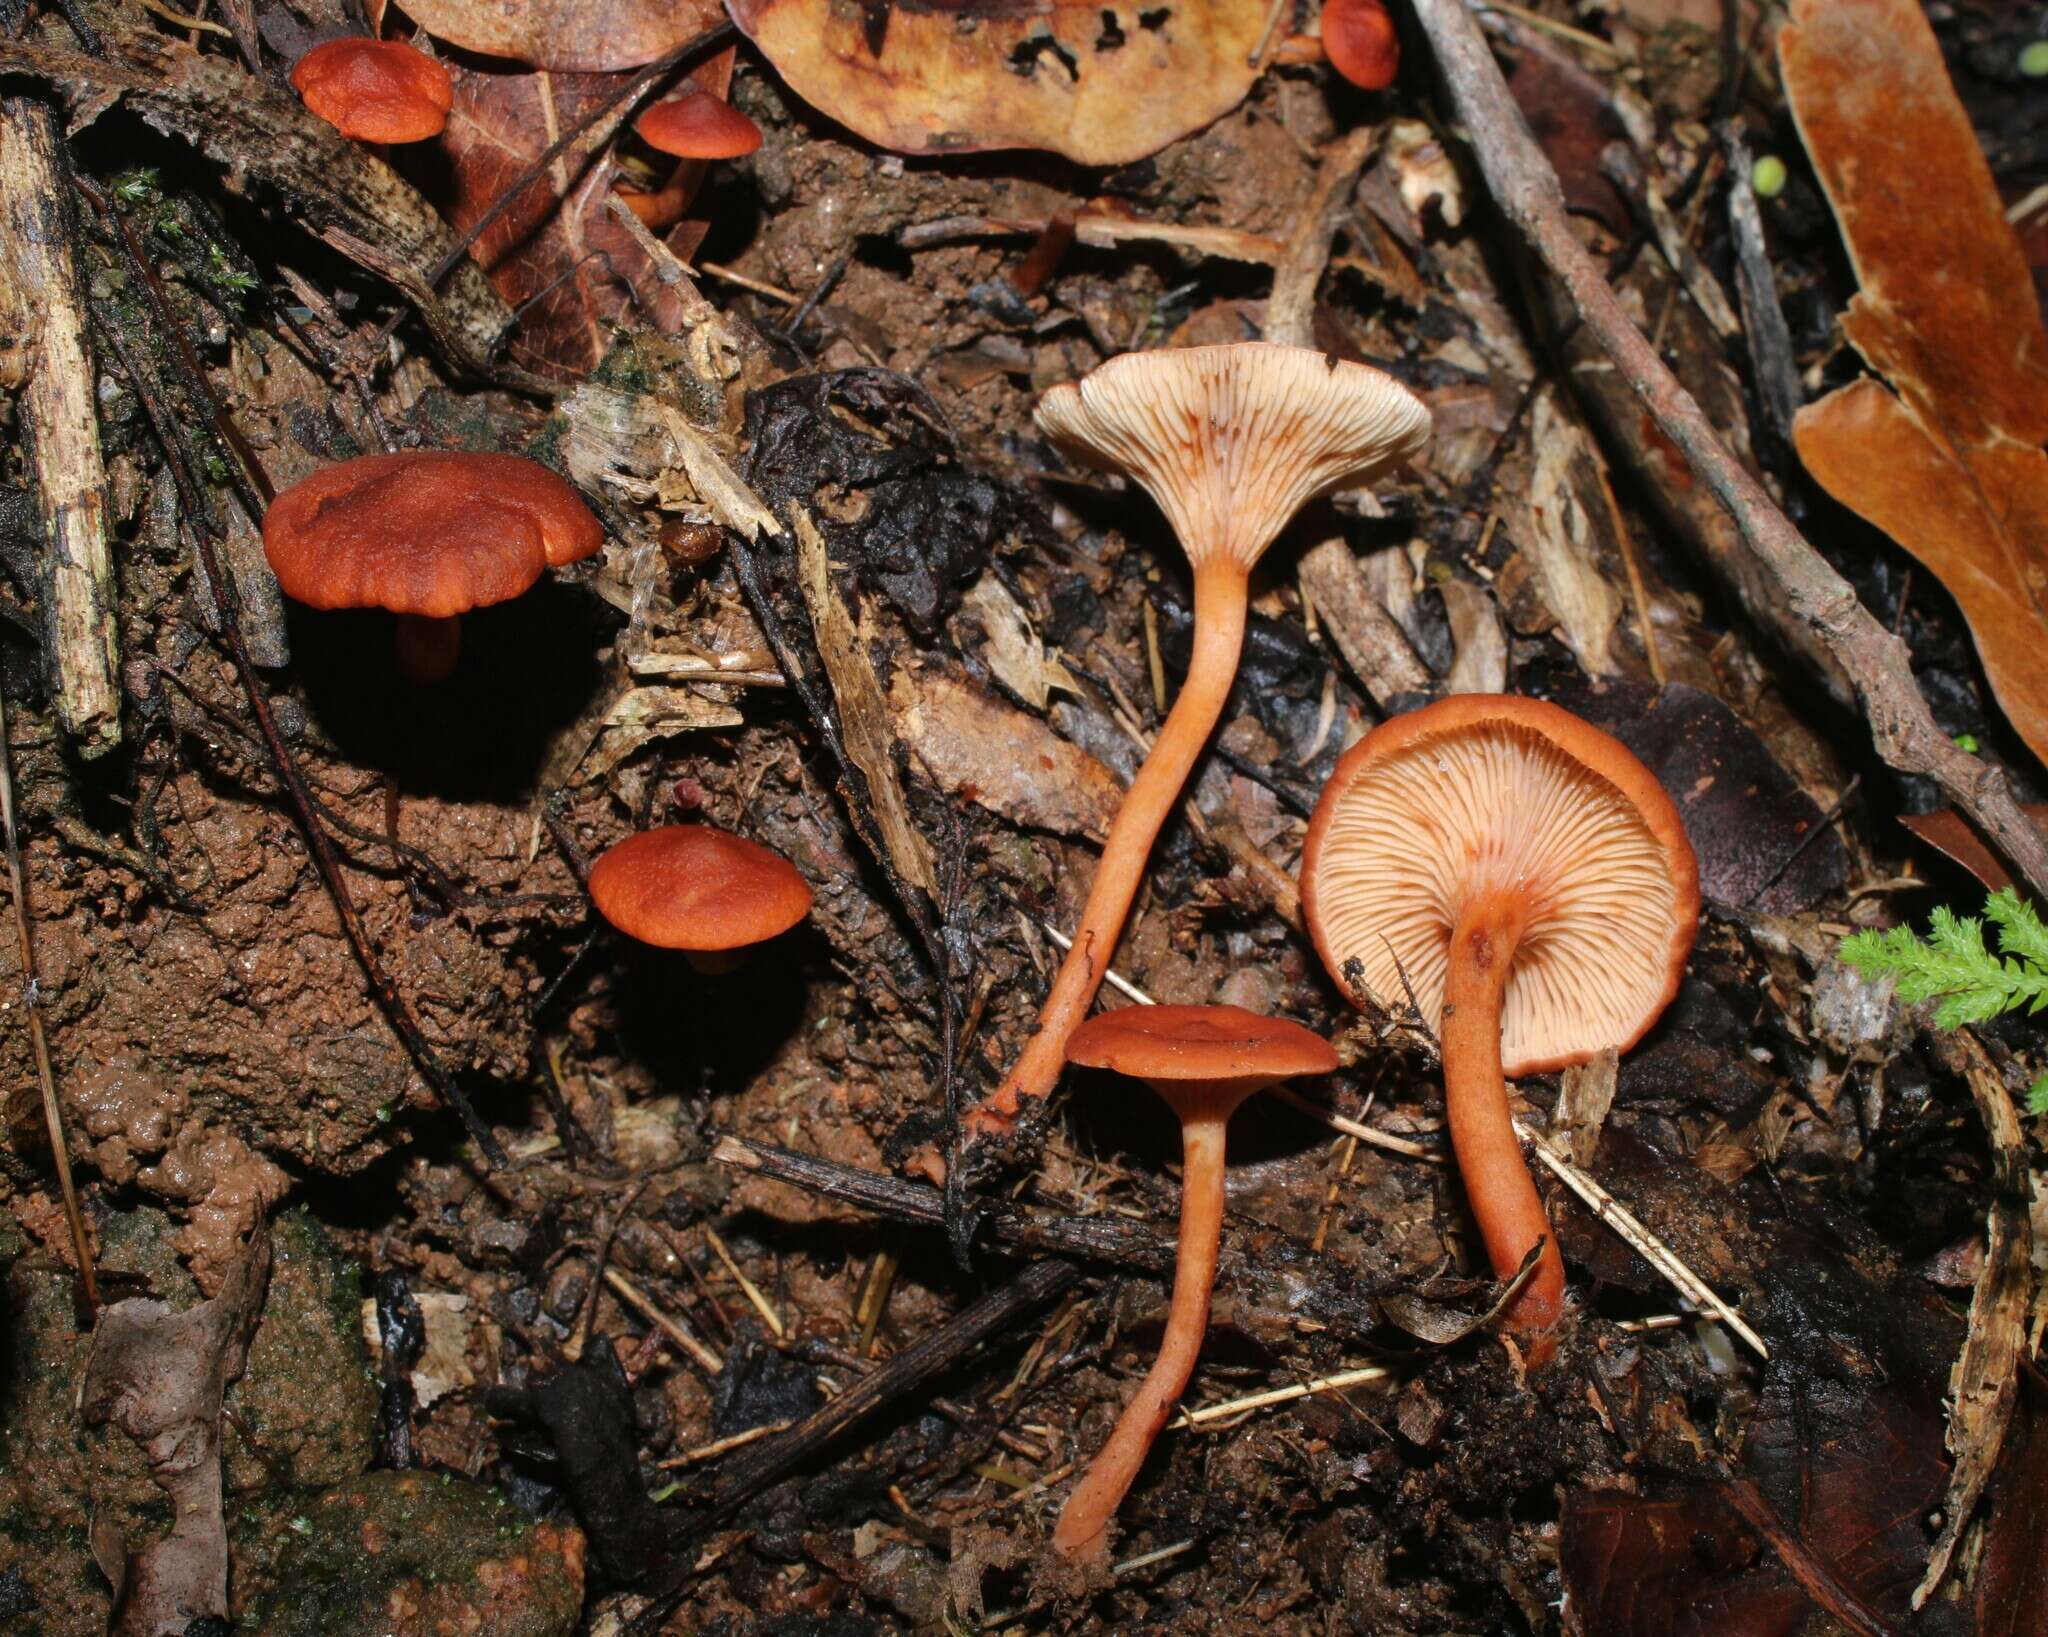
(697, 1352)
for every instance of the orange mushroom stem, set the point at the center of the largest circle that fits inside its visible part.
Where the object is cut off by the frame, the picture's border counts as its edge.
(1205, 1111)
(1230, 442)
(1505, 1205)
(1202, 1061)
(1220, 604)
(426, 647)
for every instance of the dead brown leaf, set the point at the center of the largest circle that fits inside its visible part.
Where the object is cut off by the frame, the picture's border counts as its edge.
(557, 255)
(160, 1376)
(584, 36)
(1103, 85)
(1949, 462)
(1946, 832)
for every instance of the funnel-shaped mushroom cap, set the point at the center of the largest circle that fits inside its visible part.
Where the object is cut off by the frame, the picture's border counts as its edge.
(689, 886)
(427, 531)
(1489, 794)
(375, 90)
(1233, 441)
(1198, 1043)
(697, 125)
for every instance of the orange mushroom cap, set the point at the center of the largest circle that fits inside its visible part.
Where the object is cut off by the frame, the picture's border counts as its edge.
(1198, 1043)
(693, 887)
(697, 125)
(375, 90)
(426, 531)
(1359, 40)
(1487, 793)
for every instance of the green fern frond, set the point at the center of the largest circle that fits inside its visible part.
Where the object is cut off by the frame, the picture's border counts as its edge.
(1953, 966)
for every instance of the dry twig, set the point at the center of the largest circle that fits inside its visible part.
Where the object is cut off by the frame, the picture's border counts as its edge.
(42, 311)
(1877, 663)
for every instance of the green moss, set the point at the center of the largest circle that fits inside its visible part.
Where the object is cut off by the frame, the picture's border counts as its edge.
(453, 1552)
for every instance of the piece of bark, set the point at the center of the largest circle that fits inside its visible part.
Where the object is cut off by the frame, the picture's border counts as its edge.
(1364, 633)
(1984, 1384)
(1558, 523)
(986, 751)
(1479, 640)
(161, 1376)
(1781, 579)
(863, 712)
(42, 314)
(336, 188)
(1584, 1095)
(1290, 313)
(1618, 162)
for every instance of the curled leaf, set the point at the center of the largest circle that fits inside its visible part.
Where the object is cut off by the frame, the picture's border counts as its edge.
(1948, 461)
(1101, 84)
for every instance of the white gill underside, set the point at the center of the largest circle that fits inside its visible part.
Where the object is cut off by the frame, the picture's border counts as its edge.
(1421, 832)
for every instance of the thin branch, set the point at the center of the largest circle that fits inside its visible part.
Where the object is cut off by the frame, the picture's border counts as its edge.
(32, 1004)
(1877, 663)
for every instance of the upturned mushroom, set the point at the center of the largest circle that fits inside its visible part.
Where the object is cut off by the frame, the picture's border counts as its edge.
(375, 91)
(1529, 882)
(1202, 1061)
(1231, 442)
(701, 890)
(427, 534)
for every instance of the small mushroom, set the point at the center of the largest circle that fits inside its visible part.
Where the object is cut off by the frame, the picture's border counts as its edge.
(1203, 1061)
(1528, 881)
(375, 90)
(696, 127)
(704, 891)
(428, 534)
(1359, 40)
(694, 124)
(1231, 442)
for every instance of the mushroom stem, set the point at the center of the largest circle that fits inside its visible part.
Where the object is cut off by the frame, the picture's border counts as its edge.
(1220, 595)
(1082, 1533)
(1505, 1203)
(426, 647)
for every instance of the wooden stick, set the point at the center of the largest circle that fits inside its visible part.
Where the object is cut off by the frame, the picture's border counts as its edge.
(1878, 664)
(44, 316)
(31, 1001)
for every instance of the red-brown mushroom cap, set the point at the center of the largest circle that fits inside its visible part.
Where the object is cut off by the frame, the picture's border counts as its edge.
(1198, 1043)
(375, 90)
(426, 531)
(697, 125)
(1488, 792)
(689, 886)
(1359, 40)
